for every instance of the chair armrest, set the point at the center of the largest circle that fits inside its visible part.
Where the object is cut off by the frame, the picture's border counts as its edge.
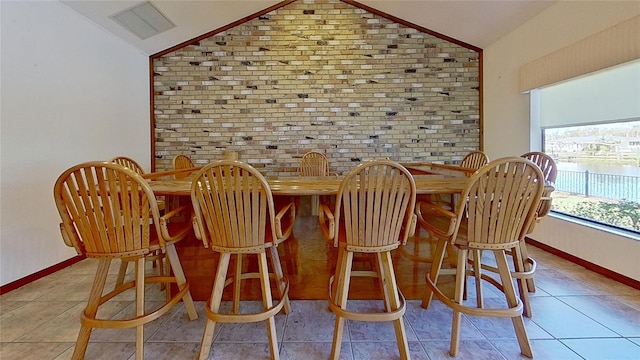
(410, 229)
(71, 240)
(164, 228)
(289, 208)
(199, 232)
(427, 211)
(327, 222)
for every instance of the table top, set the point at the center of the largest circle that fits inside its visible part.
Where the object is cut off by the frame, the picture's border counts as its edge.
(428, 181)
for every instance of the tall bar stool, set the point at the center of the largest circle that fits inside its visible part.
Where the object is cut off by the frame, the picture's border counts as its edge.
(494, 212)
(473, 160)
(156, 257)
(373, 215)
(550, 171)
(235, 215)
(110, 212)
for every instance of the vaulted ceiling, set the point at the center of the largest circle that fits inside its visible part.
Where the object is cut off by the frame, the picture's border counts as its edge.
(475, 22)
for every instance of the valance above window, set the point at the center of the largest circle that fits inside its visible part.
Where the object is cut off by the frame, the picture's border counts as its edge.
(616, 45)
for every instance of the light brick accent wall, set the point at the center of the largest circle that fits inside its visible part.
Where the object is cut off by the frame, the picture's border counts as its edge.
(317, 75)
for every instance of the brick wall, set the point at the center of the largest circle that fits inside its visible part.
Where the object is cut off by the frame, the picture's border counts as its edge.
(317, 75)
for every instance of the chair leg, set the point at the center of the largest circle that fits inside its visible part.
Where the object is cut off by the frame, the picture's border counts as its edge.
(267, 303)
(512, 301)
(92, 308)
(457, 315)
(389, 278)
(159, 262)
(281, 285)
(181, 280)
(525, 256)
(438, 258)
(140, 263)
(477, 271)
(122, 272)
(520, 265)
(384, 285)
(343, 277)
(214, 304)
(237, 281)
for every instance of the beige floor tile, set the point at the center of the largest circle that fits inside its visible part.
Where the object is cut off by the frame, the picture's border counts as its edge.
(435, 323)
(104, 351)
(239, 351)
(312, 351)
(608, 311)
(542, 349)
(600, 349)
(562, 321)
(34, 351)
(374, 331)
(311, 320)
(25, 319)
(385, 350)
(468, 350)
(170, 350)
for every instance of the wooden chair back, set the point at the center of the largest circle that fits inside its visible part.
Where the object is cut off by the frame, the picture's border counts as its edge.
(106, 210)
(182, 162)
(233, 207)
(314, 163)
(550, 171)
(376, 200)
(546, 164)
(499, 202)
(128, 163)
(474, 160)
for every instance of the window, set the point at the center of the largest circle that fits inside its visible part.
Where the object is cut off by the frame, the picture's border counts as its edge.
(591, 126)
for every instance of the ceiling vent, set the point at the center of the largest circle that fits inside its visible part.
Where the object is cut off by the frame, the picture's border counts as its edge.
(143, 20)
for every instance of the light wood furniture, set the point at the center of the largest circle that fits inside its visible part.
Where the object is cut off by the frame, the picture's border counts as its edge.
(128, 163)
(494, 212)
(198, 263)
(474, 160)
(181, 162)
(325, 185)
(550, 171)
(469, 164)
(314, 163)
(235, 214)
(373, 215)
(110, 212)
(156, 257)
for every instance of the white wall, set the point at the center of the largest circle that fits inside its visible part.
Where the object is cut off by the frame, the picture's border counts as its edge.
(70, 92)
(506, 113)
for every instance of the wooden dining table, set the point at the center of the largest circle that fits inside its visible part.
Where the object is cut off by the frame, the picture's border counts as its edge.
(429, 180)
(199, 263)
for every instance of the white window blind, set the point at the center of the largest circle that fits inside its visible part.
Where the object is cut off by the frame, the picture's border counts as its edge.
(609, 95)
(616, 45)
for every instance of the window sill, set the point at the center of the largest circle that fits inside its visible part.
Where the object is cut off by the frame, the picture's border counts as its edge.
(609, 229)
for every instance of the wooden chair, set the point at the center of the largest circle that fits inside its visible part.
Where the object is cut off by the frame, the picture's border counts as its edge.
(314, 163)
(493, 214)
(235, 215)
(110, 212)
(473, 160)
(128, 163)
(157, 257)
(182, 162)
(550, 172)
(373, 215)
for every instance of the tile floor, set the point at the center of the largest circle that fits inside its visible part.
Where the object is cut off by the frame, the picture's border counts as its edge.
(577, 315)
